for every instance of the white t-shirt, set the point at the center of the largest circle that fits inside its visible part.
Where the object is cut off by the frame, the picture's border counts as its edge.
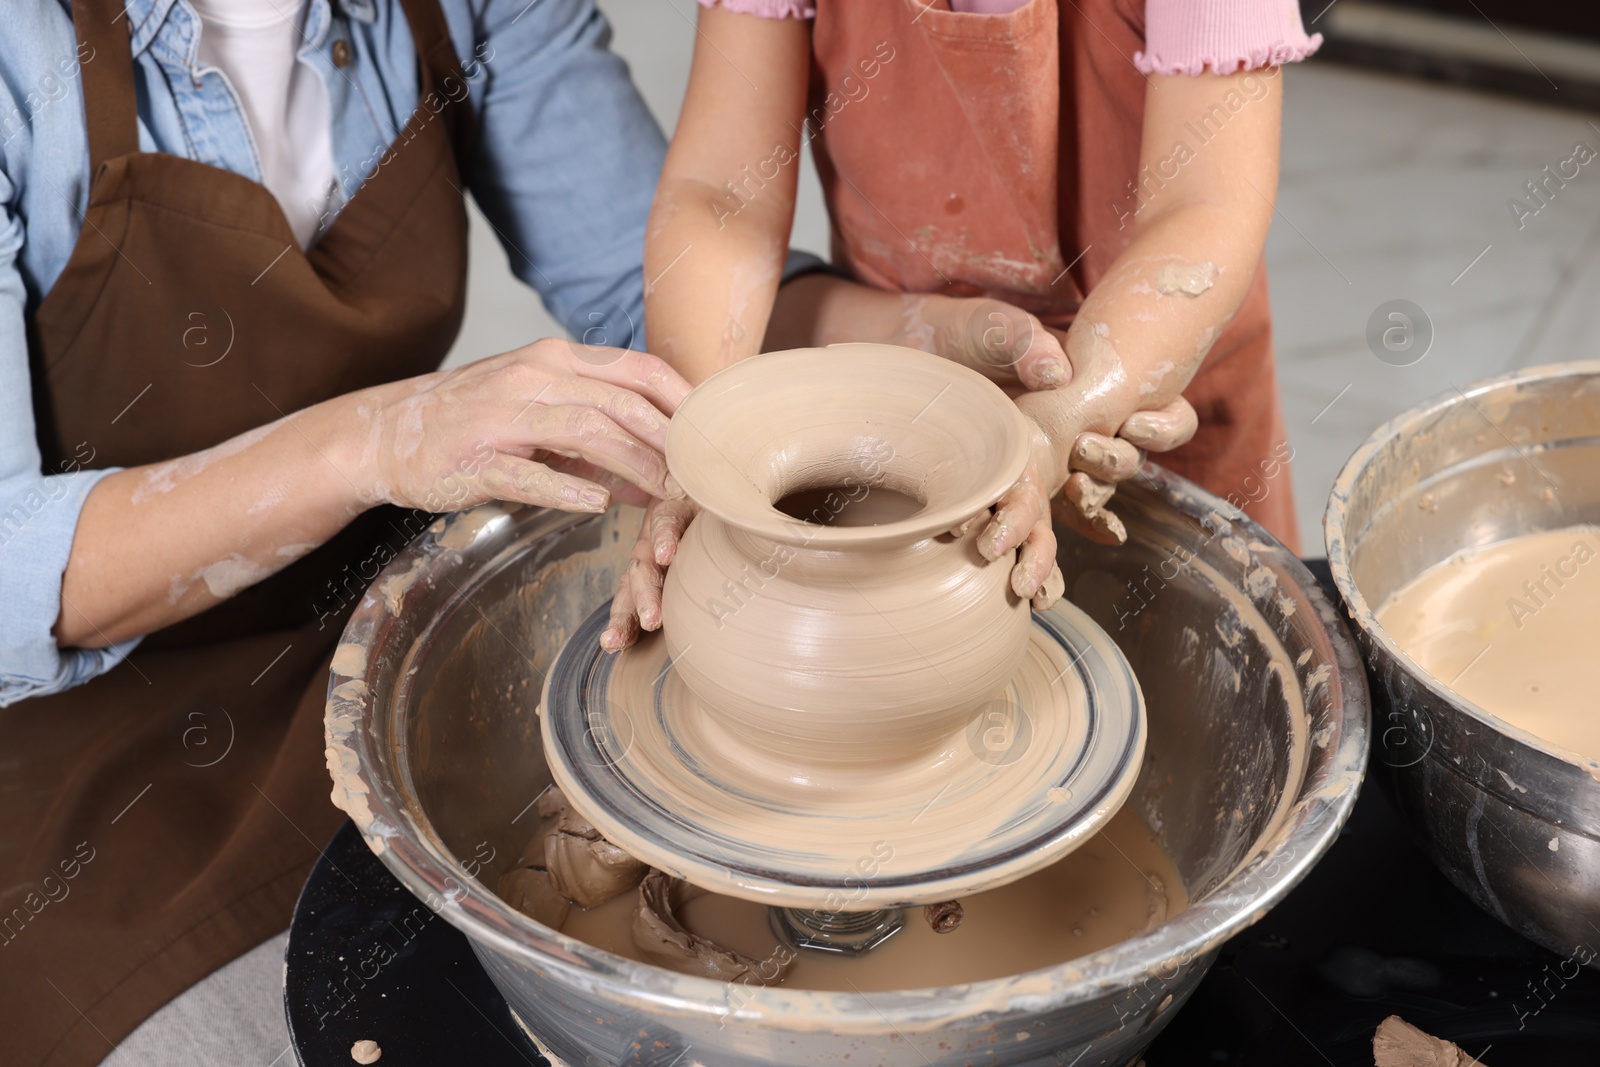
(255, 43)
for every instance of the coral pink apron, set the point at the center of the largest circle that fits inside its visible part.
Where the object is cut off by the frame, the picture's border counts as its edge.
(161, 818)
(992, 154)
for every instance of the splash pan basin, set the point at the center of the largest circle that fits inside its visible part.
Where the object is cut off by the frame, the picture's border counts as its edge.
(1256, 746)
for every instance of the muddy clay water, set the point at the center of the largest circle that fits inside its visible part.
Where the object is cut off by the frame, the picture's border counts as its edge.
(1117, 885)
(1511, 627)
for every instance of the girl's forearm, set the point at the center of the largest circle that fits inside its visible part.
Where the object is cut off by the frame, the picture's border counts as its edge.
(712, 268)
(159, 543)
(719, 227)
(1141, 335)
(1144, 329)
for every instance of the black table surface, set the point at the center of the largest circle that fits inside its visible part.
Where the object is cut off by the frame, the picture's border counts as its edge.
(1373, 930)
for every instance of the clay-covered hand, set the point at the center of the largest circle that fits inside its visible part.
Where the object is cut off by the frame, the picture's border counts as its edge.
(1100, 463)
(1098, 427)
(637, 604)
(1015, 350)
(1003, 343)
(1021, 521)
(543, 425)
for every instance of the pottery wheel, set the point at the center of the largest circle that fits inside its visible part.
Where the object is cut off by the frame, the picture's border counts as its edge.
(1038, 770)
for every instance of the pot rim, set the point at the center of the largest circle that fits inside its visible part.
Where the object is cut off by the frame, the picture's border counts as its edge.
(759, 372)
(1336, 535)
(391, 821)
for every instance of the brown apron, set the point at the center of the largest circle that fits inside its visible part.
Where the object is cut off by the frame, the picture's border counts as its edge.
(994, 155)
(160, 819)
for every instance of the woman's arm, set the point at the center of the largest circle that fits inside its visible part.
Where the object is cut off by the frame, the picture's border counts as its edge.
(719, 228)
(160, 543)
(566, 159)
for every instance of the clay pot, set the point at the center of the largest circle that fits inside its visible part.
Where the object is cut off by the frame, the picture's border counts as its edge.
(867, 633)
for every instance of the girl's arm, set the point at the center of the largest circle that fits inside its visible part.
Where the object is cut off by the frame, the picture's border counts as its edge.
(719, 228)
(1197, 240)
(1204, 208)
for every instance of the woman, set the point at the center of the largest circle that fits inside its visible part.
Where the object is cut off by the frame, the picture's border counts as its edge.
(232, 252)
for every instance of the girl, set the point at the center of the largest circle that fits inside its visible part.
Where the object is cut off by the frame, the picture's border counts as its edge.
(1100, 172)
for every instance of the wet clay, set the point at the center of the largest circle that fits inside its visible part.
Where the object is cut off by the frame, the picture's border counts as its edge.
(1030, 775)
(1399, 1044)
(660, 934)
(567, 860)
(366, 1052)
(1185, 279)
(1510, 626)
(1117, 885)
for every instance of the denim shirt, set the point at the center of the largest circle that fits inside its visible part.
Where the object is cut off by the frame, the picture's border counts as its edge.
(565, 169)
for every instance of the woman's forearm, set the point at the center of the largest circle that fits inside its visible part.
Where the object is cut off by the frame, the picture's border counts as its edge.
(159, 543)
(543, 425)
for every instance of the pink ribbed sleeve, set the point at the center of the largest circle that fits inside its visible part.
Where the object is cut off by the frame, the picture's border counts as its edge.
(768, 9)
(1181, 36)
(1187, 36)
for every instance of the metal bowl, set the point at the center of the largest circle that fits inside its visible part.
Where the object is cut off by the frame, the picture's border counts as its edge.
(1257, 744)
(1512, 820)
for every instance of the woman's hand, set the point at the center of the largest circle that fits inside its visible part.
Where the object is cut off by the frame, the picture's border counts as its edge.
(539, 425)
(542, 425)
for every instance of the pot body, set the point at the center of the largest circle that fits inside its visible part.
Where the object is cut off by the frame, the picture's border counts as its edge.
(840, 656)
(1512, 820)
(436, 751)
(858, 630)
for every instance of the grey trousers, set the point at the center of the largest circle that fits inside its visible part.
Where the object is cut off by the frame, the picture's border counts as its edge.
(234, 1016)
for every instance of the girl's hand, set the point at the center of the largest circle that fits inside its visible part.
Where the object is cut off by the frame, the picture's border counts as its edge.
(1021, 519)
(540, 425)
(1100, 463)
(1003, 343)
(637, 605)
